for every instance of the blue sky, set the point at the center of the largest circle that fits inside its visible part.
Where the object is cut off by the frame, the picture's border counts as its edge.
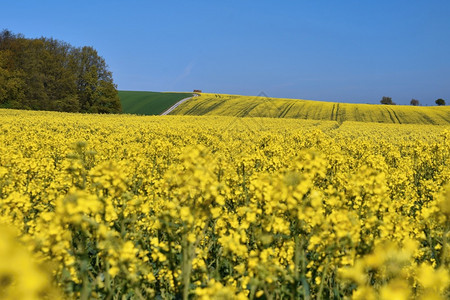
(347, 51)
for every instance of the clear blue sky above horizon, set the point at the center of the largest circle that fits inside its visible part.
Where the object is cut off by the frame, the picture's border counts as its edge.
(346, 51)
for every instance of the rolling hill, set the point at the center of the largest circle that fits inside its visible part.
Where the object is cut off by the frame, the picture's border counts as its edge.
(247, 106)
(148, 103)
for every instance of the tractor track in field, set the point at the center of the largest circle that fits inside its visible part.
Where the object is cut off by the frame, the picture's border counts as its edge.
(390, 115)
(337, 113)
(170, 109)
(286, 110)
(395, 115)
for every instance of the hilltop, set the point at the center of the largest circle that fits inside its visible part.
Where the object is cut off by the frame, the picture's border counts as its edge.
(248, 106)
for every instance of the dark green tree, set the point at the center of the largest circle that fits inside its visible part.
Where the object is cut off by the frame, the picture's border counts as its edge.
(47, 74)
(96, 90)
(414, 102)
(12, 85)
(440, 102)
(386, 101)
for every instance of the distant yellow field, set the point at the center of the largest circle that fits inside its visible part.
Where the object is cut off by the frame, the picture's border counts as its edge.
(248, 106)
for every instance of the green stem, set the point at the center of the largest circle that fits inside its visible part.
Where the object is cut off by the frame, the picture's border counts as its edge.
(445, 244)
(325, 271)
(186, 266)
(85, 290)
(302, 259)
(297, 256)
(109, 293)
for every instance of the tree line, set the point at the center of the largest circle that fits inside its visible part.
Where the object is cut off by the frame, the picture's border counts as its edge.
(388, 101)
(47, 74)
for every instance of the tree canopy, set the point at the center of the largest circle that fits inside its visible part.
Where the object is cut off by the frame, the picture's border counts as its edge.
(440, 102)
(386, 101)
(47, 74)
(414, 102)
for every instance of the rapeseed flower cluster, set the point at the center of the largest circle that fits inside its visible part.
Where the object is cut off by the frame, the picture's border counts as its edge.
(175, 207)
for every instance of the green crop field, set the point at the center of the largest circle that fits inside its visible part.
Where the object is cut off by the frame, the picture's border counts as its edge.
(148, 103)
(247, 106)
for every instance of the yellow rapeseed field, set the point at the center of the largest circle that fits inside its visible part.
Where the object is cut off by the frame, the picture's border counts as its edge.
(127, 207)
(248, 106)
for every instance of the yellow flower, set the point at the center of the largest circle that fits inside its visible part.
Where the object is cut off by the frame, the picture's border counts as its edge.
(434, 279)
(259, 294)
(395, 290)
(113, 271)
